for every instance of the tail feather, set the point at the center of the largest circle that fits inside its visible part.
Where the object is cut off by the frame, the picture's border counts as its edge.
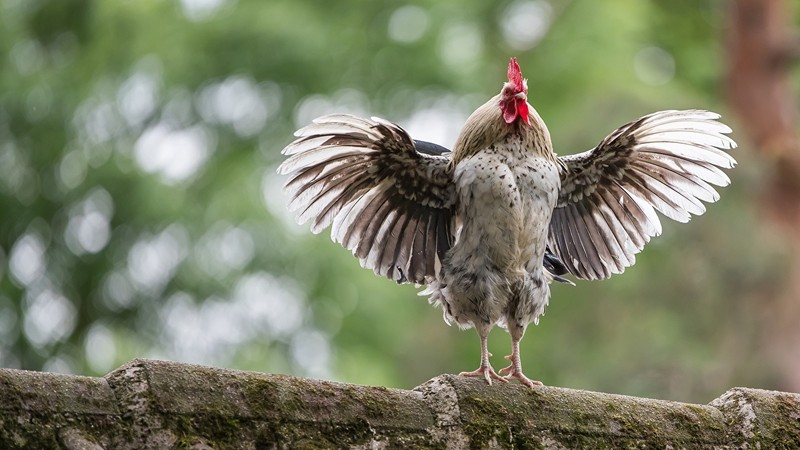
(554, 268)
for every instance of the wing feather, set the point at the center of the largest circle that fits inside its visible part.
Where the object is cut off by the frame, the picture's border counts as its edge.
(684, 181)
(430, 243)
(634, 237)
(325, 201)
(613, 234)
(579, 258)
(375, 252)
(416, 263)
(628, 232)
(371, 220)
(665, 162)
(600, 237)
(390, 252)
(591, 258)
(654, 195)
(386, 201)
(402, 250)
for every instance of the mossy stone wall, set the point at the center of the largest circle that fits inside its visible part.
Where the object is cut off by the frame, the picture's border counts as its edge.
(167, 405)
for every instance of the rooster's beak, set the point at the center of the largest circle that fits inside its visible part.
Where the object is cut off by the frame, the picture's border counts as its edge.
(522, 96)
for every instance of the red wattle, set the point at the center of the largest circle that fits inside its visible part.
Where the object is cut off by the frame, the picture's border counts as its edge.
(522, 111)
(509, 115)
(510, 112)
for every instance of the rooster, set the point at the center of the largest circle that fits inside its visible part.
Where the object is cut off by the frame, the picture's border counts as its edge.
(489, 225)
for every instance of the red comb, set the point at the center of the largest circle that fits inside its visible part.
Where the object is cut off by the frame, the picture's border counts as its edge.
(515, 74)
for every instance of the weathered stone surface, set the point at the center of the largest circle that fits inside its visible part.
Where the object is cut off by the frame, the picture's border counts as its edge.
(512, 416)
(159, 404)
(35, 406)
(756, 418)
(170, 404)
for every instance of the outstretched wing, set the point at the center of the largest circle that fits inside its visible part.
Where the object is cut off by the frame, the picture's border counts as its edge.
(390, 204)
(666, 162)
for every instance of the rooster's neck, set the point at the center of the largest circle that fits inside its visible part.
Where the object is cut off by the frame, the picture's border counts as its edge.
(486, 128)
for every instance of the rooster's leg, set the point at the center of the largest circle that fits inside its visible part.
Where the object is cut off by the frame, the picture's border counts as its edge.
(485, 370)
(515, 369)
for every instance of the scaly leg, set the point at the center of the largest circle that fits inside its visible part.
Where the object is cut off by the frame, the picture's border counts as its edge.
(515, 369)
(485, 370)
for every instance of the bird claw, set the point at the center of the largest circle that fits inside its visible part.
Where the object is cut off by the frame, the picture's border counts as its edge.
(523, 379)
(510, 367)
(487, 372)
(513, 373)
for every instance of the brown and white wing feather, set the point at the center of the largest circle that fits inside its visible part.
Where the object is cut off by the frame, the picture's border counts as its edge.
(666, 162)
(390, 204)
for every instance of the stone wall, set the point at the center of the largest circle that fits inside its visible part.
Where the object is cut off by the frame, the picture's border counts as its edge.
(159, 404)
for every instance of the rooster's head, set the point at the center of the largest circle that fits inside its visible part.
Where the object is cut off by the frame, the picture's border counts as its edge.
(514, 96)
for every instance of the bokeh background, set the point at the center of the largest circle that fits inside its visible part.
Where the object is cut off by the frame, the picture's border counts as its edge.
(141, 216)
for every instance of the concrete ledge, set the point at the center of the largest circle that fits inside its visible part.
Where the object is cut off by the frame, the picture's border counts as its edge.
(159, 404)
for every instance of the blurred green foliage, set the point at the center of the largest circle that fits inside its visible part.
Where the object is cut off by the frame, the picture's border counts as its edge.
(140, 215)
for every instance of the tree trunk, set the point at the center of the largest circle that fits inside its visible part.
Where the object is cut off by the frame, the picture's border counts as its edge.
(762, 51)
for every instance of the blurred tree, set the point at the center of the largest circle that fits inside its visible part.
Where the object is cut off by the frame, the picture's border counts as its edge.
(763, 51)
(141, 216)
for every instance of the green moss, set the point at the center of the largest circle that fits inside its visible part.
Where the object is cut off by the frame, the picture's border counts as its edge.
(299, 408)
(206, 407)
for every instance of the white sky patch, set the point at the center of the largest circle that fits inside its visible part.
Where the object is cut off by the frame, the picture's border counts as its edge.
(311, 351)
(98, 121)
(275, 305)
(272, 96)
(13, 165)
(17, 176)
(439, 120)
(277, 202)
(27, 262)
(138, 97)
(240, 103)
(49, 317)
(344, 101)
(175, 155)
(260, 306)
(9, 360)
(654, 66)
(73, 169)
(408, 24)
(525, 23)
(152, 261)
(118, 291)
(27, 56)
(236, 247)
(100, 349)
(177, 112)
(223, 249)
(311, 107)
(199, 10)
(88, 233)
(461, 45)
(59, 364)
(89, 226)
